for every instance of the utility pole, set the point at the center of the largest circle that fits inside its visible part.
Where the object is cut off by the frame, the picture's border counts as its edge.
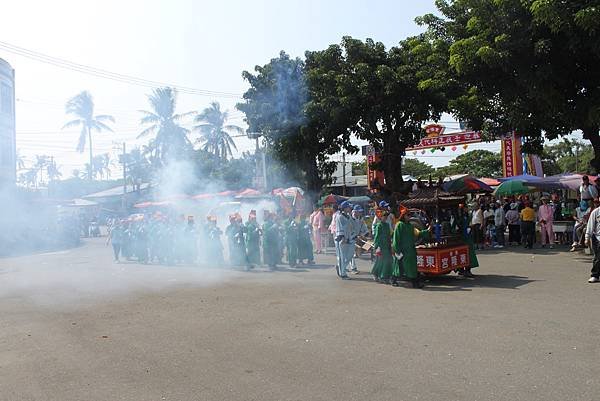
(344, 174)
(124, 161)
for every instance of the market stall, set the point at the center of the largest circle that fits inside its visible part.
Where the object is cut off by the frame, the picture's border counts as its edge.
(445, 250)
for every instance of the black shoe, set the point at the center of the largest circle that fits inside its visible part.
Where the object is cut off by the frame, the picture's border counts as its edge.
(395, 283)
(416, 283)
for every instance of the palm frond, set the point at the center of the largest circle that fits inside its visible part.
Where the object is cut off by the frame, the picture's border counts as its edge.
(74, 123)
(147, 131)
(234, 128)
(99, 126)
(105, 117)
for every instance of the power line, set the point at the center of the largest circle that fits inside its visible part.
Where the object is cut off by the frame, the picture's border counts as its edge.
(100, 73)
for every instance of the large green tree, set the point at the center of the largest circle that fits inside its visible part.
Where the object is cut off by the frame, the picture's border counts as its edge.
(82, 107)
(417, 168)
(382, 96)
(567, 156)
(277, 106)
(528, 66)
(479, 163)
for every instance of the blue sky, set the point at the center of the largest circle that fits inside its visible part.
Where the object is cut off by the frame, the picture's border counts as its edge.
(199, 44)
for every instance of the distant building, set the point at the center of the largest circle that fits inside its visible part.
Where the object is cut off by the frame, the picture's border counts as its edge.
(7, 124)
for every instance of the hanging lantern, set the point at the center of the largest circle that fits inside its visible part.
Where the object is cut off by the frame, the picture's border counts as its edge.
(415, 152)
(432, 150)
(443, 148)
(453, 148)
(423, 152)
(465, 147)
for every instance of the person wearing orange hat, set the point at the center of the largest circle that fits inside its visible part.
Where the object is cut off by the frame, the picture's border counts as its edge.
(236, 243)
(405, 252)
(382, 268)
(214, 247)
(253, 233)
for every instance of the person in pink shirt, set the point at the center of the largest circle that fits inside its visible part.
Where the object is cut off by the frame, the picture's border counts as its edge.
(545, 218)
(317, 221)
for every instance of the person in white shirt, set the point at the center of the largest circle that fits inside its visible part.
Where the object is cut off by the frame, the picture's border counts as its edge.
(343, 233)
(359, 229)
(476, 226)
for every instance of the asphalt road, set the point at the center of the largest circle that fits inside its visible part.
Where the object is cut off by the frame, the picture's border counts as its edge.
(75, 326)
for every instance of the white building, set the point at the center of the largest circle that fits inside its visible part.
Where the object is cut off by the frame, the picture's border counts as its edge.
(7, 124)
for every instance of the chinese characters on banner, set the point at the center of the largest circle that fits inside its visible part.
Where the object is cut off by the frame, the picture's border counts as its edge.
(458, 138)
(512, 160)
(440, 261)
(375, 177)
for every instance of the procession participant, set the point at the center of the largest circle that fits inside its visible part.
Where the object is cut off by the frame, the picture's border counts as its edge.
(405, 252)
(386, 207)
(305, 249)
(332, 229)
(592, 238)
(343, 231)
(270, 241)
(115, 238)
(214, 247)
(253, 233)
(141, 244)
(461, 226)
(235, 241)
(382, 241)
(359, 230)
(546, 218)
(190, 237)
(317, 222)
(291, 240)
(528, 225)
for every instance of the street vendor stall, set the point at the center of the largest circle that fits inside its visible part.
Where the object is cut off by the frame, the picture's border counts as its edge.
(445, 251)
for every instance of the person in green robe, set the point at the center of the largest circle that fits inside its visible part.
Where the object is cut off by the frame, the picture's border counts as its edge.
(382, 241)
(235, 241)
(305, 247)
(405, 252)
(214, 247)
(270, 243)
(460, 225)
(253, 233)
(291, 240)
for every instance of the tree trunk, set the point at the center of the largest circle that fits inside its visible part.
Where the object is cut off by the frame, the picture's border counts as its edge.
(592, 134)
(391, 163)
(91, 154)
(314, 183)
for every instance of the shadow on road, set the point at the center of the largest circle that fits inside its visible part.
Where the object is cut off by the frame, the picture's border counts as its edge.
(453, 283)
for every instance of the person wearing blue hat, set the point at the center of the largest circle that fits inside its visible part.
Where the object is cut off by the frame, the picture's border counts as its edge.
(359, 230)
(384, 206)
(343, 233)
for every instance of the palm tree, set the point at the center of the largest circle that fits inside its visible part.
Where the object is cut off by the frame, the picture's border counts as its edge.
(52, 170)
(41, 162)
(214, 132)
(100, 165)
(170, 139)
(82, 107)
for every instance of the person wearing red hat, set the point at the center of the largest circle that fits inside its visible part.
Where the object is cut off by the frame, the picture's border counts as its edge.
(271, 236)
(405, 252)
(214, 247)
(236, 243)
(382, 268)
(253, 233)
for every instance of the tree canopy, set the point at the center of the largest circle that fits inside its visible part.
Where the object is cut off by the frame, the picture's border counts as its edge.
(417, 168)
(382, 96)
(479, 163)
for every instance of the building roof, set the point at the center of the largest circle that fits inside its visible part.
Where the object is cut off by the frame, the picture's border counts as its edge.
(115, 191)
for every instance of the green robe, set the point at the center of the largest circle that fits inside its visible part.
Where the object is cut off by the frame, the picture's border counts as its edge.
(253, 242)
(291, 241)
(271, 243)
(403, 242)
(305, 249)
(382, 239)
(237, 246)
